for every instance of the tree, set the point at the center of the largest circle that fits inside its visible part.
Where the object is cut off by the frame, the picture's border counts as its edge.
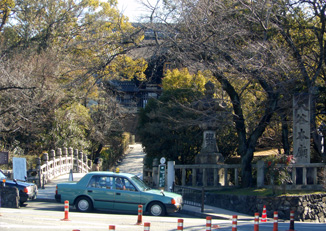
(55, 55)
(171, 125)
(160, 131)
(243, 56)
(29, 95)
(5, 9)
(302, 27)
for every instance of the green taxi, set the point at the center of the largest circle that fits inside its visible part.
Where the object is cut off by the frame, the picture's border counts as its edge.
(117, 191)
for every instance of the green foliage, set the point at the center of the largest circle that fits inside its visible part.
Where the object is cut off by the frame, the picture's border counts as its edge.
(54, 55)
(177, 79)
(71, 127)
(162, 131)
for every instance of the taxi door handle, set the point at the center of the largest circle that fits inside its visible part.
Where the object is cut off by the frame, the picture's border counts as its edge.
(90, 191)
(118, 194)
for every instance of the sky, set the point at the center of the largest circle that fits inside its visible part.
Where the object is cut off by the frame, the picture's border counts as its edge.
(133, 8)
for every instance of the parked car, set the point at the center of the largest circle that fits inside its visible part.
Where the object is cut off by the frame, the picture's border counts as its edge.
(27, 191)
(117, 191)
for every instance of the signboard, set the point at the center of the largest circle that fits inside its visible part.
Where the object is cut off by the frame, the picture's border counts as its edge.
(19, 168)
(4, 157)
(161, 181)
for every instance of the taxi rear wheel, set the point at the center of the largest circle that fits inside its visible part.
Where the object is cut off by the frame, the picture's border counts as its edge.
(84, 204)
(157, 209)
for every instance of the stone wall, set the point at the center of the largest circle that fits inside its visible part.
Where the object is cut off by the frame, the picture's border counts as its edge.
(309, 208)
(9, 197)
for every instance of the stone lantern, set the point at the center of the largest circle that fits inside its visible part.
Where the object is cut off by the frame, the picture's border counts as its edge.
(209, 153)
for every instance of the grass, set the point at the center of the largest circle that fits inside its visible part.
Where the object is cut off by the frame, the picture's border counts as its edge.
(266, 192)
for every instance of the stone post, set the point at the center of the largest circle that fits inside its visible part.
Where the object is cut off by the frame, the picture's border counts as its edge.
(52, 158)
(171, 175)
(71, 157)
(85, 161)
(64, 157)
(39, 172)
(76, 160)
(155, 172)
(81, 166)
(46, 162)
(59, 155)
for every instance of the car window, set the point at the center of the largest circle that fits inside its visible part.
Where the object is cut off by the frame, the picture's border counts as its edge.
(101, 182)
(122, 183)
(139, 183)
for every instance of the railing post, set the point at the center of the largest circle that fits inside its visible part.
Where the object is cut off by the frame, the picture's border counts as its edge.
(71, 158)
(194, 177)
(52, 157)
(204, 177)
(226, 182)
(216, 177)
(59, 154)
(315, 176)
(46, 162)
(236, 177)
(76, 160)
(183, 177)
(304, 176)
(39, 172)
(65, 160)
(85, 169)
(294, 175)
(81, 165)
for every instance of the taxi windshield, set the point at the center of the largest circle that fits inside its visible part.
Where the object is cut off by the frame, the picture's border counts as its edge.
(139, 183)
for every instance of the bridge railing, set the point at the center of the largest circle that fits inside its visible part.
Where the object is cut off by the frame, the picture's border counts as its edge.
(56, 163)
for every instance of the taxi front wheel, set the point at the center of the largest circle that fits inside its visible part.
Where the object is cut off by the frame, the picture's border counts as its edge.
(84, 204)
(157, 209)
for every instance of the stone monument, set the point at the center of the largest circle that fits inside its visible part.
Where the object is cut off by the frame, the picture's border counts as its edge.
(301, 128)
(209, 153)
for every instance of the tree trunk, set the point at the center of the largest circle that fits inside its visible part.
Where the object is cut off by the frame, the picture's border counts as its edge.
(247, 146)
(246, 171)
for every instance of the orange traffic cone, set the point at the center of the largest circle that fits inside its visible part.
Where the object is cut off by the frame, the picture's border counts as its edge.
(264, 215)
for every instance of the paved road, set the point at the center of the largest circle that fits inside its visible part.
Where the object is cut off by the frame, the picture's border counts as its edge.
(43, 219)
(133, 160)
